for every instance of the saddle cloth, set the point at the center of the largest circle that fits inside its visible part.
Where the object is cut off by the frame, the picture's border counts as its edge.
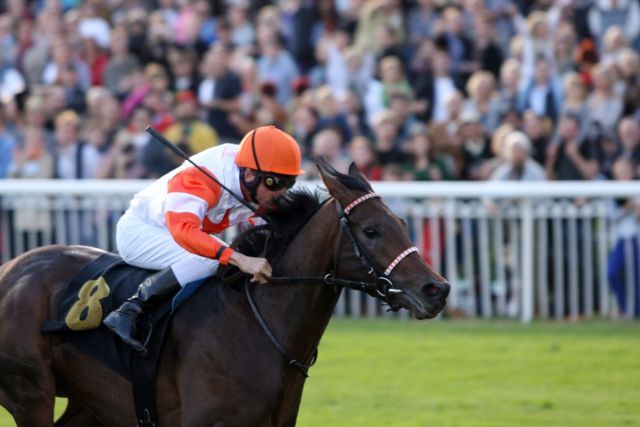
(98, 289)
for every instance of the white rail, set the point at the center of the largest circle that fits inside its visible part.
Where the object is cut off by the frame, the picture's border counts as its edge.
(513, 249)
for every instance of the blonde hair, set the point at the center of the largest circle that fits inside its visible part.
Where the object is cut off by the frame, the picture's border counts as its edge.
(534, 19)
(498, 139)
(477, 78)
(67, 117)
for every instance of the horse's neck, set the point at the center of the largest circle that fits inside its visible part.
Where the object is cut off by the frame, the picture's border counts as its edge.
(301, 312)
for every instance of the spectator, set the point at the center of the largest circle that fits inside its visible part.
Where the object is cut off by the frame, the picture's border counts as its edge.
(132, 151)
(455, 42)
(536, 129)
(484, 99)
(424, 164)
(276, 65)
(542, 93)
(605, 106)
(120, 63)
(385, 131)
(298, 24)
(575, 96)
(564, 48)
(421, 20)
(373, 17)
(73, 157)
(183, 69)
(394, 80)
(572, 158)
(487, 53)
(473, 149)
(629, 135)
(190, 133)
(510, 72)
(7, 146)
(243, 33)
(362, 153)
(328, 144)
(623, 269)
(329, 116)
(445, 134)
(35, 115)
(62, 57)
(435, 88)
(622, 13)
(32, 159)
(303, 127)
(519, 165)
(628, 66)
(219, 92)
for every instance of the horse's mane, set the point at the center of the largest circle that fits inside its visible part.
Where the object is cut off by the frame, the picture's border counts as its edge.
(293, 211)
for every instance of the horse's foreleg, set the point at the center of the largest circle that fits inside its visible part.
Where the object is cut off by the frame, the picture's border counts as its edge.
(30, 394)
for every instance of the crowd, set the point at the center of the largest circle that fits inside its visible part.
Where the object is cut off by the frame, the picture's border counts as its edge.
(416, 90)
(421, 90)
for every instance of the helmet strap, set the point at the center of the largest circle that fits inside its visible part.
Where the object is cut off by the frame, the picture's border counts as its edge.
(251, 186)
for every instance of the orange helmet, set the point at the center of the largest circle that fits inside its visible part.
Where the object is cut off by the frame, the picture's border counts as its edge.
(269, 149)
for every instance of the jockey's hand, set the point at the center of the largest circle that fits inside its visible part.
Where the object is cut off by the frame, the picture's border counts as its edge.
(259, 268)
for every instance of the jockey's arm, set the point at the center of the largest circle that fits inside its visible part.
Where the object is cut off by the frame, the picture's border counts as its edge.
(189, 199)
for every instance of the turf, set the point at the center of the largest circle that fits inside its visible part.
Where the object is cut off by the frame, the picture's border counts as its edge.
(441, 373)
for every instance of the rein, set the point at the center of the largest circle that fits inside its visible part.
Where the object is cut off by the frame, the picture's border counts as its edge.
(380, 284)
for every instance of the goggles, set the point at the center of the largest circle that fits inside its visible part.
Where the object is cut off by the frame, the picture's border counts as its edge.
(276, 182)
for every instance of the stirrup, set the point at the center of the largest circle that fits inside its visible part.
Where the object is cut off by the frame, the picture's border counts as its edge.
(142, 348)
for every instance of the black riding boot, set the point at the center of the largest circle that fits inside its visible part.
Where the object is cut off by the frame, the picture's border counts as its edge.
(152, 291)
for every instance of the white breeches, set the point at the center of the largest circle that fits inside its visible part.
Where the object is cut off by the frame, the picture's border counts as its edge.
(148, 246)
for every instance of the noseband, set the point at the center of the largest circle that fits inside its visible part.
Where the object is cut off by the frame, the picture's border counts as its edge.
(380, 284)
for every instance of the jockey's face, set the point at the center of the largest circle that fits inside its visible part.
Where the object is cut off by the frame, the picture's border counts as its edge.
(264, 196)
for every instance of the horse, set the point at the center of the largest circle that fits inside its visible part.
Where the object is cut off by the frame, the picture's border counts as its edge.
(218, 365)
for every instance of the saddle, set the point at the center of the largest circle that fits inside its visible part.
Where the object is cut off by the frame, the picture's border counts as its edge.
(99, 288)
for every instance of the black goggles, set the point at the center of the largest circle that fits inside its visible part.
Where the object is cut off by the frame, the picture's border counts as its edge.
(277, 182)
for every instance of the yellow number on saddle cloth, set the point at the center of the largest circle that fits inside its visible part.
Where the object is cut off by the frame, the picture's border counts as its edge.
(86, 312)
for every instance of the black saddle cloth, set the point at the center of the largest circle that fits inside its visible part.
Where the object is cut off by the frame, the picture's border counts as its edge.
(101, 287)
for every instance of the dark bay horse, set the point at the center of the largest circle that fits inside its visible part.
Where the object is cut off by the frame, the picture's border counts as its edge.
(218, 367)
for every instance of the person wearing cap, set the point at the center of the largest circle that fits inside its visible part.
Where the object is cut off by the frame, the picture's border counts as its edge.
(171, 225)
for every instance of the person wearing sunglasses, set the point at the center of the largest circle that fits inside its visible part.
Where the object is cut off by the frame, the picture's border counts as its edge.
(172, 225)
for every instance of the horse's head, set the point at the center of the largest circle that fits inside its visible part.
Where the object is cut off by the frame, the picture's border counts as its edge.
(374, 246)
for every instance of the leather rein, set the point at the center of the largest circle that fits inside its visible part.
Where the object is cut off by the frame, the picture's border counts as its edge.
(379, 284)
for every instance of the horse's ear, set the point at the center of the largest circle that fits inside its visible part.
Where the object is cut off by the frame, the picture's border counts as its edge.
(330, 178)
(355, 172)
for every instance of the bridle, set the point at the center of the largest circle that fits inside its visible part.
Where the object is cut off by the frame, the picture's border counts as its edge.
(384, 288)
(380, 284)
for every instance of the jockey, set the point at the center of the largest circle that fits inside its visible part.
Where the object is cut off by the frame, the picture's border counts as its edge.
(170, 225)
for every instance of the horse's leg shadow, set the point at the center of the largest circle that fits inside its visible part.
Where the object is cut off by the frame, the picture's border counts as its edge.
(76, 416)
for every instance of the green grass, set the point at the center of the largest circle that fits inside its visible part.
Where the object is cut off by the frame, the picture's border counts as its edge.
(493, 374)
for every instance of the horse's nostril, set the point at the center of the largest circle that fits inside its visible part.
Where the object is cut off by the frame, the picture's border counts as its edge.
(440, 289)
(431, 290)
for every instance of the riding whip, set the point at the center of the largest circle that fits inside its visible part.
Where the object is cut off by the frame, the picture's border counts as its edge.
(177, 150)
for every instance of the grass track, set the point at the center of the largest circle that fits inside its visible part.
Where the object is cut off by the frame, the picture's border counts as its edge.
(484, 374)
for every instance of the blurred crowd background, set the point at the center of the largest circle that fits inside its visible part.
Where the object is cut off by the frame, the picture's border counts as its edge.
(409, 90)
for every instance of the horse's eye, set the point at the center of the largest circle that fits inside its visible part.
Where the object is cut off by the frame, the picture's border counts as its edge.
(371, 232)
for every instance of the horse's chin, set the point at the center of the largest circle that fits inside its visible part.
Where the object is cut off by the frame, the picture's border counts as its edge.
(419, 308)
